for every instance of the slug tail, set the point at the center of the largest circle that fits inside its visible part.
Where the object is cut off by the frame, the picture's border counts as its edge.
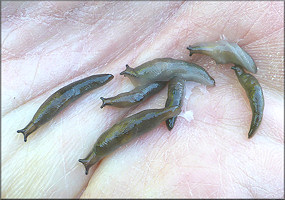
(209, 81)
(213, 82)
(251, 133)
(170, 123)
(27, 130)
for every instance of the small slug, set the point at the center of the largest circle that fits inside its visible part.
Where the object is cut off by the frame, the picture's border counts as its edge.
(135, 96)
(126, 130)
(164, 69)
(62, 98)
(174, 98)
(255, 95)
(225, 52)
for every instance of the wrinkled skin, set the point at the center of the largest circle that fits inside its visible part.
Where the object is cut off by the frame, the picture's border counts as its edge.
(46, 45)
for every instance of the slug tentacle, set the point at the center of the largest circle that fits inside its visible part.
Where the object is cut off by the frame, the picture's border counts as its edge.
(255, 96)
(224, 52)
(164, 69)
(62, 98)
(124, 131)
(135, 96)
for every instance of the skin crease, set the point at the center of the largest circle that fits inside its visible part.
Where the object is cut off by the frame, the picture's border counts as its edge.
(46, 45)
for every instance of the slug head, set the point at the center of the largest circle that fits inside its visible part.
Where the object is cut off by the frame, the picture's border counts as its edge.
(30, 128)
(86, 165)
(89, 161)
(190, 49)
(25, 134)
(239, 71)
(103, 102)
(129, 72)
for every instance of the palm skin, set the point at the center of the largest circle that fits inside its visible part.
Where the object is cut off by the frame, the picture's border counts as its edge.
(46, 45)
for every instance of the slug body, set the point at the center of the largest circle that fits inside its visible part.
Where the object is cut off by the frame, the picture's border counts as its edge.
(255, 96)
(135, 96)
(62, 98)
(225, 52)
(126, 130)
(174, 98)
(164, 69)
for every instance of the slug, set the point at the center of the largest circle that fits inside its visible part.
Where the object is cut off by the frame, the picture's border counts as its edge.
(61, 99)
(164, 69)
(126, 130)
(135, 96)
(255, 96)
(225, 52)
(174, 98)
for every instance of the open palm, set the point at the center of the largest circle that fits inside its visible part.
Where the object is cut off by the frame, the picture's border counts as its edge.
(47, 45)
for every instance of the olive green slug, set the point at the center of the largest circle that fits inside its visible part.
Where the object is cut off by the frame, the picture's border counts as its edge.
(225, 52)
(62, 98)
(255, 96)
(126, 130)
(174, 98)
(135, 96)
(164, 69)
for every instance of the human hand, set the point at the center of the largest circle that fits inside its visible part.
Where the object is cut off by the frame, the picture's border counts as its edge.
(47, 45)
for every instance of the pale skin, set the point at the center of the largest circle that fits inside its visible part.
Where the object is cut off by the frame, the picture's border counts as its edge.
(47, 45)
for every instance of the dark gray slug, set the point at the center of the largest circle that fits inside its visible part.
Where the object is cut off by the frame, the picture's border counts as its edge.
(255, 96)
(174, 98)
(62, 98)
(135, 96)
(126, 130)
(164, 69)
(225, 52)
